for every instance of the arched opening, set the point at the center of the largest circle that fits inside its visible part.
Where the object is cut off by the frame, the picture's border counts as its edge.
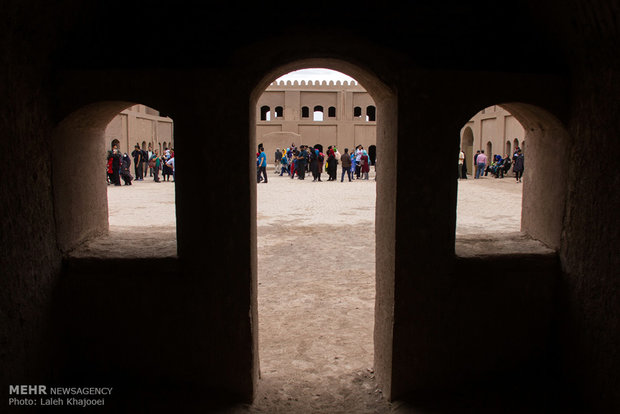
(279, 112)
(377, 339)
(357, 112)
(305, 112)
(265, 113)
(105, 202)
(331, 112)
(537, 206)
(371, 113)
(372, 154)
(318, 113)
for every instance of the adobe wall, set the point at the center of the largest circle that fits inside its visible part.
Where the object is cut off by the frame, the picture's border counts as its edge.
(425, 302)
(496, 125)
(140, 125)
(344, 129)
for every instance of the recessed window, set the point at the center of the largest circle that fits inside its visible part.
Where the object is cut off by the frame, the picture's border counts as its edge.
(318, 113)
(305, 112)
(371, 113)
(331, 112)
(265, 113)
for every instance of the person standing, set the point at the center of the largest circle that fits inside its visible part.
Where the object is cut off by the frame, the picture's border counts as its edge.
(518, 167)
(365, 168)
(114, 161)
(314, 163)
(278, 158)
(154, 164)
(170, 164)
(481, 162)
(126, 169)
(345, 160)
(358, 161)
(332, 165)
(476, 164)
(137, 162)
(262, 165)
(300, 168)
(461, 161)
(149, 156)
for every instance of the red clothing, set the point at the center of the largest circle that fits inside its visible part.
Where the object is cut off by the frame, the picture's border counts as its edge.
(110, 169)
(365, 165)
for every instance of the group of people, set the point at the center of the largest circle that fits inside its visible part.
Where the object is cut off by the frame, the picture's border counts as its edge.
(295, 161)
(497, 166)
(119, 165)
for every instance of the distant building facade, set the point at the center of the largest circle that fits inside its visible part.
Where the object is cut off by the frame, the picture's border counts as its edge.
(337, 113)
(142, 125)
(494, 130)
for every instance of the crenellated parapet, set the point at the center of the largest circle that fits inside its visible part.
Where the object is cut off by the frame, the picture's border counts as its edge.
(323, 85)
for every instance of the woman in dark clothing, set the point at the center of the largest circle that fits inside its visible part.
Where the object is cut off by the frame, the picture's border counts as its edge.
(125, 169)
(518, 167)
(114, 167)
(314, 163)
(332, 165)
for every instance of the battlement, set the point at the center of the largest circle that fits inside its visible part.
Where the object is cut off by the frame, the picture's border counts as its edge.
(316, 85)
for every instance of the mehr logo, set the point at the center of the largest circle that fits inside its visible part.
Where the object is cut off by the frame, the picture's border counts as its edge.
(27, 389)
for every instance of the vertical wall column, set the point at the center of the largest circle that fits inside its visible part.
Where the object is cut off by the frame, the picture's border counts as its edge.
(216, 233)
(424, 240)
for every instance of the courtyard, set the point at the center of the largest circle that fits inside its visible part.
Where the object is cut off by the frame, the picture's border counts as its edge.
(316, 285)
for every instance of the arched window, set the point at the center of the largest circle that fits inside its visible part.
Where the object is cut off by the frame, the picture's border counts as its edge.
(489, 150)
(318, 113)
(508, 150)
(371, 113)
(265, 113)
(305, 112)
(515, 144)
(279, 112)
(357, 112)
(331, 112)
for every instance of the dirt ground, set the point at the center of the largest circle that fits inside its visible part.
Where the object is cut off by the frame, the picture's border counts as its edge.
(316, 247)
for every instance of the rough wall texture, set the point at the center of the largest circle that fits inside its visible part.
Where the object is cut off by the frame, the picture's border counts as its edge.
(29, 260)
(427, 307)
(590, 252)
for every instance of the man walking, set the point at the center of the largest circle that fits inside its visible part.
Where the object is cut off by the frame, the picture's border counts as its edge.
(262, 166)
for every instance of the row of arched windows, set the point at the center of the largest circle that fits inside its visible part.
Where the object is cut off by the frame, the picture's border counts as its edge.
(265, 113)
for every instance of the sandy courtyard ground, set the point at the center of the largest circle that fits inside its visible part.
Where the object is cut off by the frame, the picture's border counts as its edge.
(316, 246)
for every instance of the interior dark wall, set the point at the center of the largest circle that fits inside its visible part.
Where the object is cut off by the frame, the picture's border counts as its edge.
(590, 258)
(214, 59)
(29, 259)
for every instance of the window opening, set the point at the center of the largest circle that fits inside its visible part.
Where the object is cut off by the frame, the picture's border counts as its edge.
(265, 113)
(318, 113)
(371, 114)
